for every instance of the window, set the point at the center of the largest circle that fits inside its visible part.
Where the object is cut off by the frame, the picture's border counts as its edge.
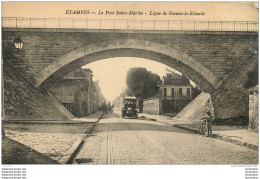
(172, 93)
(164, 93)
(180, 92)
(188, 92)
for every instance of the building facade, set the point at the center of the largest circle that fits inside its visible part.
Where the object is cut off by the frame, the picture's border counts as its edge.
(76, 91)
(98, 97)
(175, 93)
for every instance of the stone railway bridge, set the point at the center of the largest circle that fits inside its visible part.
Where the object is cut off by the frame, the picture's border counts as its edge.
(217, 61)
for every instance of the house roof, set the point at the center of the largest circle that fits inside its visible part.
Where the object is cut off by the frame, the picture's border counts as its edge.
(78, 74)
(130, 97)
(175, 79)
(68, 82)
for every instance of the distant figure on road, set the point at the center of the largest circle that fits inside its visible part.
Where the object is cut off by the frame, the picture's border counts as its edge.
(108, 106)
(209, 120)
(104, 108)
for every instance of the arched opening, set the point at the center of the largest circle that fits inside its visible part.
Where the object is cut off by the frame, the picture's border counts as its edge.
(127, 48)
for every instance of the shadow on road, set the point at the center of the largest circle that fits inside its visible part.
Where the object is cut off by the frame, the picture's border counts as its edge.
(83, 160)
(116, 123)
(102, 127)
(16, 153)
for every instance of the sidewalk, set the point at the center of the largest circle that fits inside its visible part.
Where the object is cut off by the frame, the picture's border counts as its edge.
(91, 118)
(16, 153)
(237, 135)
(45, 147)
(56, 146)
(88, 119)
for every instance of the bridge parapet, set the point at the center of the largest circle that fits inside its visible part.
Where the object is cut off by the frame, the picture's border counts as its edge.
(129, 24)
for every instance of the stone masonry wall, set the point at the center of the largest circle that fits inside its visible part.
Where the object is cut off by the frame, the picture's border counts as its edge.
(21, 101)
(231, 99)
(151, 106)
(197, 108)
(253, 112)
(221, 53)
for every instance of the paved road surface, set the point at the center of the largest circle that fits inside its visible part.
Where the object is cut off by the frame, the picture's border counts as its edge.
(136, 141)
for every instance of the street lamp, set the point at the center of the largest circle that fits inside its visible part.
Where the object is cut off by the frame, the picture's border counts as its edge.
(18, 43)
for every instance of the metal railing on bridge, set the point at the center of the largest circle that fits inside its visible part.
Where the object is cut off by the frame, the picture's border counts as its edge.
(129, 24)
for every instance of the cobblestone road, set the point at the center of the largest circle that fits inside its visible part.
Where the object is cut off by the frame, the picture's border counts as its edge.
(129, 141)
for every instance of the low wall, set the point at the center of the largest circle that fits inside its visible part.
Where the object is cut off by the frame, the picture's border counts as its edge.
(253, 112)
(170, 106)
(152, 106)
(197, 108)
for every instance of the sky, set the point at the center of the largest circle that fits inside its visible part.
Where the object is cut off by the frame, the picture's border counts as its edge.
(111, 73)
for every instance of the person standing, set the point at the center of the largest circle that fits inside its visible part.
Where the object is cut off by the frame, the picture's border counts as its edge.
(108, 106)
(209, 120)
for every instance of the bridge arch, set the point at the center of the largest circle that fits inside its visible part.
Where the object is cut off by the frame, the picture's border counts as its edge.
(127, 48)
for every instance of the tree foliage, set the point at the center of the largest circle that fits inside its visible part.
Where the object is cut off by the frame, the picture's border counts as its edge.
(142, 83)
(252, 78)
(175, 79)
(196, 91)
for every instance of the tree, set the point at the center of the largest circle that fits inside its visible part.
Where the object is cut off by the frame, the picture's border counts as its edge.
(142, 83)
(175, 79)
(252, 78)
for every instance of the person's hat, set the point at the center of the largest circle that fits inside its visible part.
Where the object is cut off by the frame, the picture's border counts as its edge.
(209, 112)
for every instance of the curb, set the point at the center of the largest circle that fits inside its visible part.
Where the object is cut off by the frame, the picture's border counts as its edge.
(244, 144)
(74, 150)
(99, 118)
(65, 122)
(233, 141)
(186, 128)
(45, 122)
(71, 153)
